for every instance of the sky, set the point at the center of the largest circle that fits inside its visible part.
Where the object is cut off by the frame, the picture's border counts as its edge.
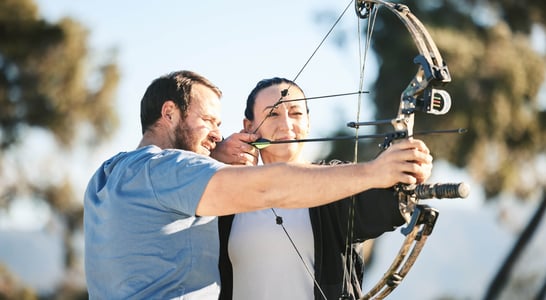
(235, 44)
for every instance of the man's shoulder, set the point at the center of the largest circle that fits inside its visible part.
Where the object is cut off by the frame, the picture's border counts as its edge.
(149, 158)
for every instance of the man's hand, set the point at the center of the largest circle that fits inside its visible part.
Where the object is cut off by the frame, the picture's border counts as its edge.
(236, 150)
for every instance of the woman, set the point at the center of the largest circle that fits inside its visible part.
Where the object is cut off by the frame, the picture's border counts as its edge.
(258, 259)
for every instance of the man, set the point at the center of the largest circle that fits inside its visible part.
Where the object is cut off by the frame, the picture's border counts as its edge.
(149, 214)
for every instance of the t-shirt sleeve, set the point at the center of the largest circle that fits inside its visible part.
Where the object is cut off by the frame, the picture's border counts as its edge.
(179, 179)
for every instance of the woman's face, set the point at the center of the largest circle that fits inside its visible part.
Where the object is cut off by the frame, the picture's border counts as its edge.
(287, 121)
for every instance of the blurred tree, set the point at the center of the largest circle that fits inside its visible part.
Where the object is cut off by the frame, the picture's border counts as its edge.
(11, 288)
(49, 87)
(496, 82)
(497, 89)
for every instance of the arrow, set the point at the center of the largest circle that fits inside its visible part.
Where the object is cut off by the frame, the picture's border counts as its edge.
(263, 143)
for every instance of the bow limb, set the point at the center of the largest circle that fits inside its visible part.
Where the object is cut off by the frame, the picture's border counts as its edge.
(435, 67)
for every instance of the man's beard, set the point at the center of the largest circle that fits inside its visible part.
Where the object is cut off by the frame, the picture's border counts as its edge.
(183, 138)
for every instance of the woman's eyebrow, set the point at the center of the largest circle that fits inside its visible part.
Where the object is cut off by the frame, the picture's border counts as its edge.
(270, 107)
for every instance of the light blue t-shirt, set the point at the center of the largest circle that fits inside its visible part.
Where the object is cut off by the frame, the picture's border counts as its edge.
(142, 238)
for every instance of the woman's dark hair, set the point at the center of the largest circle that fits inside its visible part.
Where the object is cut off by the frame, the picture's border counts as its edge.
(175, 86)
(263, 84)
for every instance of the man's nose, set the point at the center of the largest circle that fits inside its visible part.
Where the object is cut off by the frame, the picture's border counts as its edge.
(215, 135)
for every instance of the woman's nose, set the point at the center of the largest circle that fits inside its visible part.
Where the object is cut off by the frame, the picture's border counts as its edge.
(285, 122)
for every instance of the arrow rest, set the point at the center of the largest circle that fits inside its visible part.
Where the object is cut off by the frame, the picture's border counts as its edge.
(391, 137)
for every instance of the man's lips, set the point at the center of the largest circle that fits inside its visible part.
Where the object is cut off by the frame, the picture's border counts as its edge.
(209, 147)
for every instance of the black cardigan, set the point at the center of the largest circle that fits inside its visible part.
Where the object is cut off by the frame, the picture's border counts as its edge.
(376, 211)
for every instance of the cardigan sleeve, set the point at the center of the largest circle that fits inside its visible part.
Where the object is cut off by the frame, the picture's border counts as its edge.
(375, 212)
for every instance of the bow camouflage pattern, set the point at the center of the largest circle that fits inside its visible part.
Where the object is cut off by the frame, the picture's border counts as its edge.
(421, 94)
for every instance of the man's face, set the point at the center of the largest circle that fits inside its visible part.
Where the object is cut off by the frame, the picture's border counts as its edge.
(288, 121)
(199, 131)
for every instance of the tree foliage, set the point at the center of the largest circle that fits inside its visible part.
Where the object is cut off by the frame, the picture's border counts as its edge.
(50, 84)
(495, 88)
(11, 288)
(44, 73)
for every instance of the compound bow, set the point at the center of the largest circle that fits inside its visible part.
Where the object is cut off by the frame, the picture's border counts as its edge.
(420, 95)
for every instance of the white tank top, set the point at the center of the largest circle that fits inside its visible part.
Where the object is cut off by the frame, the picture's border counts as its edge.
(265, 264)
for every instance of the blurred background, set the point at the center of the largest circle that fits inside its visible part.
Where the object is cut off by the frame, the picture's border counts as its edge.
(72, 73)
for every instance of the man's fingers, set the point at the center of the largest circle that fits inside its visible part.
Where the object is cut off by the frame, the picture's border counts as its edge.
(245, 158)
(247, 137)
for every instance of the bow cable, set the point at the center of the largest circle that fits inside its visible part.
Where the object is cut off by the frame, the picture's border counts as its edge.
(363, 58)
(284, 93)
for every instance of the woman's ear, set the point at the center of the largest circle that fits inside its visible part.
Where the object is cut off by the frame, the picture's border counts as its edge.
(247, 125)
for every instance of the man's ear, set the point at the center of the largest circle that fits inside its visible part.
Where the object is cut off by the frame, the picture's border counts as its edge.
(168, 109)
(247, 125)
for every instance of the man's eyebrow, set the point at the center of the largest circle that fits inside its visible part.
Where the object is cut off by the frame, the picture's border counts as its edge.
(212, 118)
(218, 122)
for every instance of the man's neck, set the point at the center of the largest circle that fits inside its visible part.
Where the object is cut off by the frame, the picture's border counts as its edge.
(150, 138)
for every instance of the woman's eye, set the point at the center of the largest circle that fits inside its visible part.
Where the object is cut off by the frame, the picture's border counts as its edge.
(296, 113)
